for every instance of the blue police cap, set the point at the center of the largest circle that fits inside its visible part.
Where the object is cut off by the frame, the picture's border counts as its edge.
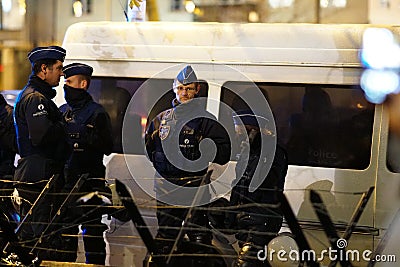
(76, 69)
(247, 117)
(187, 75)
(47, 52)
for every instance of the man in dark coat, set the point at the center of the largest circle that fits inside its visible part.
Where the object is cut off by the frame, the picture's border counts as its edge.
(188, 123)
(256, 218)
(42, 144)
(8, 145)
(8, 150)
(90, 137)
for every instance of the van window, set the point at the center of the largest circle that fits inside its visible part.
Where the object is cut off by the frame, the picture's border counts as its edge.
(115, 94)
(319, 125)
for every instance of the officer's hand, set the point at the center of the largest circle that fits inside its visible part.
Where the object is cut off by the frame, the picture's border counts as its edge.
(135, 2)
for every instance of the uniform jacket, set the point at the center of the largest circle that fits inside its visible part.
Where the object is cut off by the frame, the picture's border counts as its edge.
(274, 180)
(89, 135)
(41, 136)
(204, 125)
(8, 143)
(248, 211)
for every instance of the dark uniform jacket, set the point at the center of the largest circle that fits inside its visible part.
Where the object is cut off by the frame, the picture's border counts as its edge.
(249, 213)
(204, 125)
(8, 144)
(41, 136)
(274, 180)
(89, 135)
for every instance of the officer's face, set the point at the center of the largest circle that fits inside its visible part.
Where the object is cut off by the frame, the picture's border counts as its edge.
(52, 74)
(186, 92)
(76, 81)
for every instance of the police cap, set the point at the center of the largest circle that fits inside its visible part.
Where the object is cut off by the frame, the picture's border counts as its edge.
(186, 75)
(47, 52)
(77, 69)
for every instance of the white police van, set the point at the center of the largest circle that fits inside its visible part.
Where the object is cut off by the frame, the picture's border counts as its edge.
(338, 143)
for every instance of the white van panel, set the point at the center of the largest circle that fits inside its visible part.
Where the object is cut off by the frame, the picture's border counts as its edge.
(133, 49)
(213, 42)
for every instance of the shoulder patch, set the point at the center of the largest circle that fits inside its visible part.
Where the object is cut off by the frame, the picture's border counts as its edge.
(40, 111)
(168, 114)
(164, 131)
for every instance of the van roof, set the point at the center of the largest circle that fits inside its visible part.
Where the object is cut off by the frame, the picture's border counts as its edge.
(102, 44)
(216, 42)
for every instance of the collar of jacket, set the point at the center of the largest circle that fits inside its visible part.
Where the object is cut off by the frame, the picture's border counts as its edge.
(84, 98)
(41, 86)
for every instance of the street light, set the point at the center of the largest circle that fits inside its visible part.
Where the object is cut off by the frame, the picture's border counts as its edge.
(78, 8)
(333, 3)
(6, 5)
(190, 6)
(280, 3)
(253, 16)
(22, 7)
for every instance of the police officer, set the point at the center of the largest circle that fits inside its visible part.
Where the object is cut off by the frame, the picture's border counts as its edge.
(188, 121)
(8, 145)
(42, 141)
(8, 150)
(90, 136)
(256, 224)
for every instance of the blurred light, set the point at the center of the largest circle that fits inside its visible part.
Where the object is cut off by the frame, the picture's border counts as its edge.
(22, 7)
(339, 3)
(333, 3)
(274, 3)
(280, 3)
(385, 3)
(16, 217)
(379, 83)
(78, 8)
(6, 5)
(253, 16)
(324, 3)
(190, 6)
(143, 121)
(380, 49)
(198, 12)
(287, 3)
